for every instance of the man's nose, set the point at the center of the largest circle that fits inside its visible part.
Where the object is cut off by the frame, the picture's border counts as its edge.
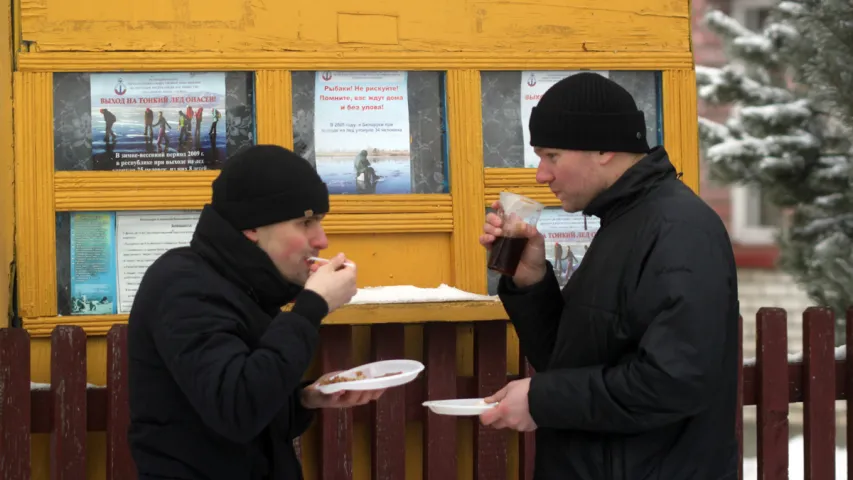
(543, 175)
(320, 241)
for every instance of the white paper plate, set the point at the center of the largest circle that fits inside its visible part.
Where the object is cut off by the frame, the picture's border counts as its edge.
(405, 370)
(463, 406)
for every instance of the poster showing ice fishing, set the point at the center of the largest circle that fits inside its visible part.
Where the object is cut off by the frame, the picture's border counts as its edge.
(158, 121)
(361, 132)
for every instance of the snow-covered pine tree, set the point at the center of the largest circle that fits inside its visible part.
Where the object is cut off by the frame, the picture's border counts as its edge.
(790, 132)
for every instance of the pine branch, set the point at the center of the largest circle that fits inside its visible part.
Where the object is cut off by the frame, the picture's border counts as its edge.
(790, 132)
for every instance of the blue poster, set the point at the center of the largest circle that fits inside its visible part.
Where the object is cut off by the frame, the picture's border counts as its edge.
(93, 263)
(361, 132)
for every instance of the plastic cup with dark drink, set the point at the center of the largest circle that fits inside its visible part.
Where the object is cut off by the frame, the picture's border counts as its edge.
(516, 213)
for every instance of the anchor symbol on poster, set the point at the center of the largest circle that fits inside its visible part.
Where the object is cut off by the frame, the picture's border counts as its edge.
(531, 82)
(327, 76)
(119, 88)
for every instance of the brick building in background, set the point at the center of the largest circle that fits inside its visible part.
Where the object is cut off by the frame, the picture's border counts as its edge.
(752, 223)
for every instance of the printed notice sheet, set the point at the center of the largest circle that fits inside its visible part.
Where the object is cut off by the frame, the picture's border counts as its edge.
(361, 132)
(142, 237)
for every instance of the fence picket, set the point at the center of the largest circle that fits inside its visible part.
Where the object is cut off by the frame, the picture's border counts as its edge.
(819, 392)
(120, 464)
(490, 371)
(14, 404)
(848, 383)
(772, 373)
(68, 389)
(388, 413)
(336, 424)
(440, 455)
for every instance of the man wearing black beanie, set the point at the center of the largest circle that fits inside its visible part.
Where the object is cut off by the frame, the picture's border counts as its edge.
(636, 358)
(215, 367)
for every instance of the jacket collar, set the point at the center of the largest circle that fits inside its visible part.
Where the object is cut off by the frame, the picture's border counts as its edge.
(241, 261)
(643, 177)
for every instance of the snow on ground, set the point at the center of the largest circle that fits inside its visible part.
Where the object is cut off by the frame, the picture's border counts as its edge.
(796, 462)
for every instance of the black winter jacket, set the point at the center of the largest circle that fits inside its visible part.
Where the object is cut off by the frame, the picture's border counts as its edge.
(215, 367)
(636, 359)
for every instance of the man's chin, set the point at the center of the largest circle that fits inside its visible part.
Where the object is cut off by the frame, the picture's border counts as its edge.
(298, 280)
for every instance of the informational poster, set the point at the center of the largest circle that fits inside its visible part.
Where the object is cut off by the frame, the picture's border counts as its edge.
(93, 263)
(361, 132)
(158, 121)
(567, 238)
(142, 237)
(534, 84)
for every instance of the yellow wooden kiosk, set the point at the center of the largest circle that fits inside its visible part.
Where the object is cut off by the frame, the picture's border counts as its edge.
(466, 65)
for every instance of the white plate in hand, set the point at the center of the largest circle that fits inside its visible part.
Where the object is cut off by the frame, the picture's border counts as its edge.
(462, 406)
(375, 376)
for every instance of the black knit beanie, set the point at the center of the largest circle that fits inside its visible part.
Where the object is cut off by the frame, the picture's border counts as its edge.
(588, 112)
(266, 184)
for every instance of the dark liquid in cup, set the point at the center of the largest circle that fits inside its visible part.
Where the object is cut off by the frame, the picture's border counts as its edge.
(506, 253)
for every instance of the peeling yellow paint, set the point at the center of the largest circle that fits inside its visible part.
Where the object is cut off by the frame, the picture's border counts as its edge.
(7, 165)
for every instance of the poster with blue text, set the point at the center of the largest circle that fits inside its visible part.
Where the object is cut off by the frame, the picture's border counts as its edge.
(158, 121)
(93, 263)
(361, 132)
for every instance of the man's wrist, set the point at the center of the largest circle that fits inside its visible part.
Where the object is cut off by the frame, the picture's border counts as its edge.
(530, 280)
(305, 399)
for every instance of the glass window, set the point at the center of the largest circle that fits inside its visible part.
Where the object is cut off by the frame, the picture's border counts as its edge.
(567, 238)
(373, 132)
(151, 120)
(506, 113)
(101, 256)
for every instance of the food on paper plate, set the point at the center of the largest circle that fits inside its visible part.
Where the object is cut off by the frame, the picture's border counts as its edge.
(357, 375)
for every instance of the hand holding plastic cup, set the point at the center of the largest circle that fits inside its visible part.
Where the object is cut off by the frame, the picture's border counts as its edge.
(516, 213)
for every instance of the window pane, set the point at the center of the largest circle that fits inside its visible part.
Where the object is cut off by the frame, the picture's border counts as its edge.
(504, 130)
(374, 132)
(206, 118)
(101, 256)
(567, 238)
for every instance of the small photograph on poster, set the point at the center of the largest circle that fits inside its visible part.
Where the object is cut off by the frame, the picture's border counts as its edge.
(158, 121)
(567, 238)
(141, 238)
(93, 263)
(534, 84)
(361, 132)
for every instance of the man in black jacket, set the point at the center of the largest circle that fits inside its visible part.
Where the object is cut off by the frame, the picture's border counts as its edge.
(215, 366)
(636, 358)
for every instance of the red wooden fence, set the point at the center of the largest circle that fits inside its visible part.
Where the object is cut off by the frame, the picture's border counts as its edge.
(67, 409)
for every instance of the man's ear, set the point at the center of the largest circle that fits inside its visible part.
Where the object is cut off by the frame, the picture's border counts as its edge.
(605, 157)
(251, 234)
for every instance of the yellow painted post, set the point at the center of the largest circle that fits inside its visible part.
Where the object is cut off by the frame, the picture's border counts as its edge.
(466, 179)
(7, 166)
(35, 235)
(681, 123)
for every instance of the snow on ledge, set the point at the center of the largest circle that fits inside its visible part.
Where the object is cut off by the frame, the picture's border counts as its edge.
(797, 357)
(412, 294)
(34, 386)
